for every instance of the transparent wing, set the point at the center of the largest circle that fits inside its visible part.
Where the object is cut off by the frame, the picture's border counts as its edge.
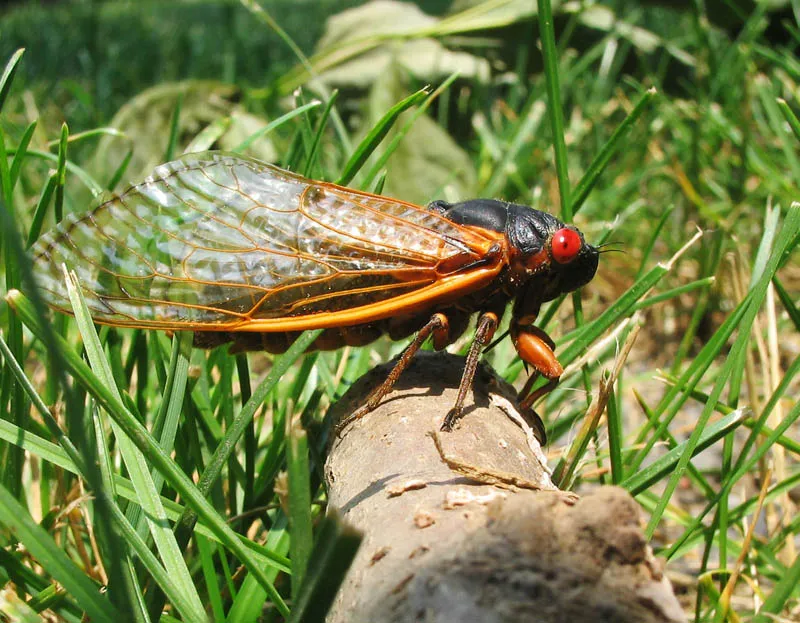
(216, 241)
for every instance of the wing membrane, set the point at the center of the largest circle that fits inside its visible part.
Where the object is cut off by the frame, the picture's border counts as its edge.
(218, 241)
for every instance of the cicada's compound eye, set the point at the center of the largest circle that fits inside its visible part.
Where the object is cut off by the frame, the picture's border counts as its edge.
(565, 245)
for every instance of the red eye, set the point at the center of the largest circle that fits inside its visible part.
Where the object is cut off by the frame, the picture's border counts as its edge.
(566, 245)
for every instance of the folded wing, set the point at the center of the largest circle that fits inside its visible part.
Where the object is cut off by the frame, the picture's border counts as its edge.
(217, 241)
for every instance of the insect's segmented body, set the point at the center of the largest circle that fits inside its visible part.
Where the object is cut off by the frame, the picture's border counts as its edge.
(239, 250)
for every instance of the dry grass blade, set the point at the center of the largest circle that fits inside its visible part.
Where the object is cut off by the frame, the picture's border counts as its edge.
(598, 347)
(774, 374)
(725, 596)
(567, 466)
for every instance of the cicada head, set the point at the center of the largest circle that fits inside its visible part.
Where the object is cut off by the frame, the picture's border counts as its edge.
(554, 257)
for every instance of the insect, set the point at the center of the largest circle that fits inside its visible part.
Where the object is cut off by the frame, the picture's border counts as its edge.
(241, 251)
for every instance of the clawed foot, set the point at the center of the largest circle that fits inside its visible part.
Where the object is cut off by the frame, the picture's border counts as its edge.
(450, 420)
(345, 422)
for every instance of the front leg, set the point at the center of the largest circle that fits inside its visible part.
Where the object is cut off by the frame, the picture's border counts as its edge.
(536, 349)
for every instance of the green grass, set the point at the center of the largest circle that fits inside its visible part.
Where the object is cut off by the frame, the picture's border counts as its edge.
(193, 476)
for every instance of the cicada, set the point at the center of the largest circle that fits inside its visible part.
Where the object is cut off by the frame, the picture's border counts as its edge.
(241, 251)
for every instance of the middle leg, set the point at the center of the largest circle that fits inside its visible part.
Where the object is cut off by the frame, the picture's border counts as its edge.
(487, 325)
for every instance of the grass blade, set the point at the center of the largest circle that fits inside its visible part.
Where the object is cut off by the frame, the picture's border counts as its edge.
(616, 438)
(392, 146)
(120, 170)
(41, 209)
(148, 498)
(61, 174)
(299, 502)
(377, 134)
(151, 450)
(275, 124)
(780, 595)
(12, 398)
(7, 79)
(790, 117)
(21, 152)
(788, 303)
(555, 112)
(79, 173)
(648, 476)
(50, 555)
(754, 299)
(322, 123)
(333, 553)
(174, 129)
(587, 334)
(614, 144)
(209, 135)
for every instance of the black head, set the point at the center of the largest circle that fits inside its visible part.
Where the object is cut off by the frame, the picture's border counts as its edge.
(555, 256)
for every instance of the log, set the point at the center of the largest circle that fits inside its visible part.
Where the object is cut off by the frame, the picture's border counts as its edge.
(441, 546)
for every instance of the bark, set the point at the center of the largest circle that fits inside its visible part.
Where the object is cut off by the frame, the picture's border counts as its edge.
(440, 546)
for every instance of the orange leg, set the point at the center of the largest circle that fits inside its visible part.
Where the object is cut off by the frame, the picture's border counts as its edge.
(438, 327)
(487, 325)
(536, 349)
